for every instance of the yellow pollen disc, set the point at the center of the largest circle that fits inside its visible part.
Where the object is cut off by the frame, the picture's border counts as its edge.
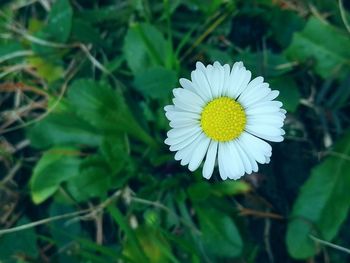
(223, 119)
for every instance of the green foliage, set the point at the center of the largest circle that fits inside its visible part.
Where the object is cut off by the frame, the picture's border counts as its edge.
(156, 82)
(327, 45)
(220, 235)
(56, 166)
(323, 203)
(11, 245)
(82, 95)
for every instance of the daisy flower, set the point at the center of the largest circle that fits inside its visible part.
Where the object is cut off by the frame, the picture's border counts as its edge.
(224, 117)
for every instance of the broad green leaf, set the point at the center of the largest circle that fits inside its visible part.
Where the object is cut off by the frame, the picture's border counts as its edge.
(145, 47)
(156, 82)
(93, 180)
(55, 166)
(323, 203)
(105, 109)
(327, 45)
(220, 235)
(60, 21)
(289, 92)
(19, 244)
(63, 128)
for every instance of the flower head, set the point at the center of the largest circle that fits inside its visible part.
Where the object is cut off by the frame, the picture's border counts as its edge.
(224, 117)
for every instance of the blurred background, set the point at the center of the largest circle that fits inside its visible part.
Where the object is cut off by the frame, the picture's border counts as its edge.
(84, 173)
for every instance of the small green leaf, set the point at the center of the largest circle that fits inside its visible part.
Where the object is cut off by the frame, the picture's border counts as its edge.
(329, 46)
(105, 109)
(156, 82)
(93, 180)
(60, 21)
(55, 166)
(322, 205)
(144, 47)
(220, 235)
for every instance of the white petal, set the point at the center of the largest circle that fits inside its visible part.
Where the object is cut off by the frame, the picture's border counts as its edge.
(201, 85)
(180, 143)
(261, 110)
(222, 153)
(255, 146)
(216, 79)
(191, 107)
(252, 86)
(185, 153)
(209, 163)
(263, 130)
(249, 155)
(255, 95)
(186, 84)
(199, 153)
(226, 80)
(181, 123)
(200, 66)
(169, 108)
(272, 95)
(243, 156)
(188, 97)
(239, 79)
(244, 84)
(175, 115)
(180, 132)
(234, 162)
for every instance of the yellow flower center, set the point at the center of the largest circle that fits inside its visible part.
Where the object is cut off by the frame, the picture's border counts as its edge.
(223, 119)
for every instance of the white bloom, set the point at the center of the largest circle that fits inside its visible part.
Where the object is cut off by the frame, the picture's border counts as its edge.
(221, 114)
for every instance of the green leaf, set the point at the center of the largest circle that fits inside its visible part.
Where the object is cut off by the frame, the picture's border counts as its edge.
(63, 128)
(60, 21)
(156, 82)
(55, 166)
(220, 235)
(105, 109)
(115, 153)
(323, 203)
(144, 47)
(289, 92)
(11, 245)
(93, 180)
(327, 45)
